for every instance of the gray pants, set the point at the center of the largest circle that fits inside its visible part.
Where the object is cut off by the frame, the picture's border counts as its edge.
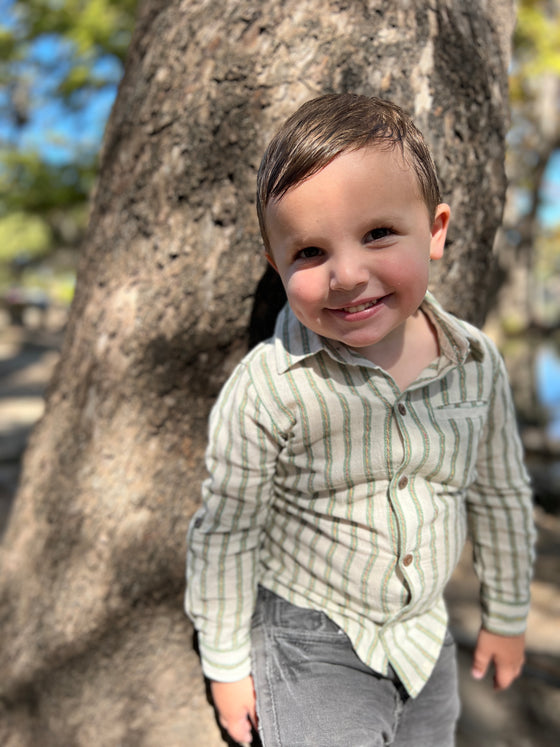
(313, 691)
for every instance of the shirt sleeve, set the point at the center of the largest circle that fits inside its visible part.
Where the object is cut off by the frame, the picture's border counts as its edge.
(224, 535)
(500, 516)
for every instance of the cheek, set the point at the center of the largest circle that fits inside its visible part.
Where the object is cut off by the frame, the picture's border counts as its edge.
(304, 288)
(408, 272)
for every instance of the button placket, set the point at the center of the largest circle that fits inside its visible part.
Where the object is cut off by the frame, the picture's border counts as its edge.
(402, 482)
(401, 409)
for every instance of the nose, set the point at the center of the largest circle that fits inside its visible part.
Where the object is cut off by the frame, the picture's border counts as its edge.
(347, 272)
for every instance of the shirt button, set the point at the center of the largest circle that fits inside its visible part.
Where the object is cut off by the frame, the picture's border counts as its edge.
(403, 482)
(402, 409)
(407, 560)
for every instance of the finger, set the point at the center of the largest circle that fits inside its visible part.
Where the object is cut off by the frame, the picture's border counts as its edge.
(240, 730)
(505, 676)
(479, 665)
(502, 681)
(253, 717)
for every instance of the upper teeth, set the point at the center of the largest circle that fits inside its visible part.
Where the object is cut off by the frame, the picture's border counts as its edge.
(361, 307)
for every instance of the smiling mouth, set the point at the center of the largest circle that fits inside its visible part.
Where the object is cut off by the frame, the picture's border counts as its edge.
(360, 307)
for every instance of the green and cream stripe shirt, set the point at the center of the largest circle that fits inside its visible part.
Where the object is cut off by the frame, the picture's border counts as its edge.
(339, 492)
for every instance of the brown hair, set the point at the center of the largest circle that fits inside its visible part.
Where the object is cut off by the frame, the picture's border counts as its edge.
(325, 127)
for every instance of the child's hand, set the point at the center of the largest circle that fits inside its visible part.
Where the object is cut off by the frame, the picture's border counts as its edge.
(505, 652)
(236, 706)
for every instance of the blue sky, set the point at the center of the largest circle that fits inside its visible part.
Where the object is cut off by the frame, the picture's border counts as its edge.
(548, 386)
(59, 133)
(550, 207)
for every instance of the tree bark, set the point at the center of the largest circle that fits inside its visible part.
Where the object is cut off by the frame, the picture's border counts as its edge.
(94, 646)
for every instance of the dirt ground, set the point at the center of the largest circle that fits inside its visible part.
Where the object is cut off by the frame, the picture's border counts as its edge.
(527, 715)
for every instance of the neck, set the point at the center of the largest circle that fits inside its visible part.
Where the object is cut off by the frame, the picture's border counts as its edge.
(407, 351)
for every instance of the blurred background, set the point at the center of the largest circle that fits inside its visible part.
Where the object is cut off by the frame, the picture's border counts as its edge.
(60, 65)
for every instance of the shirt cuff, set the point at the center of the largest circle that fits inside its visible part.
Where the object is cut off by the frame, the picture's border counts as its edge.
(225, 666)
(504, 618)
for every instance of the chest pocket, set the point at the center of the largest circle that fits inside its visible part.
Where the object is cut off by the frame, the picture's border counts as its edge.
(461, 427)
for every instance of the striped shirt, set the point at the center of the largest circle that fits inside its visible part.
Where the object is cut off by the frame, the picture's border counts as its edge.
(339, 492)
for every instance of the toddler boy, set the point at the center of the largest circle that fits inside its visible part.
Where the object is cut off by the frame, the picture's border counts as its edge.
(350, 454)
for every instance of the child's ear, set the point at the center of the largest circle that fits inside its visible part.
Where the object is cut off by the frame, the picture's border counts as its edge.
(439, 230)
(270, 260)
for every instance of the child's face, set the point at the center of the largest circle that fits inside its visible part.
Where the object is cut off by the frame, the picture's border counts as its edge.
(352, 246)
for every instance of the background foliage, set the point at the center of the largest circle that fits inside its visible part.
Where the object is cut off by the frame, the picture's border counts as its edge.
(533, 215)
(60, 65)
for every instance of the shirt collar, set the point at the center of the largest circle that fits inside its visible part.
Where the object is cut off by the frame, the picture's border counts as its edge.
(294, 342)
(457, 339)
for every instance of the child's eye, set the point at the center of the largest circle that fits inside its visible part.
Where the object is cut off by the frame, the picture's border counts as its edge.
(309, 252)
(377, 233)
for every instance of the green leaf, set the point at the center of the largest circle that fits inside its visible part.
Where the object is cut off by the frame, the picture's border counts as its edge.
(23, 234)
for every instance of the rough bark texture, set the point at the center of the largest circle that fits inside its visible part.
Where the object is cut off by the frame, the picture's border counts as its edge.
(94, 646)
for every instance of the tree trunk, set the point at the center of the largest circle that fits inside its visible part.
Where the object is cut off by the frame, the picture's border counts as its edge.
(94, 645)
